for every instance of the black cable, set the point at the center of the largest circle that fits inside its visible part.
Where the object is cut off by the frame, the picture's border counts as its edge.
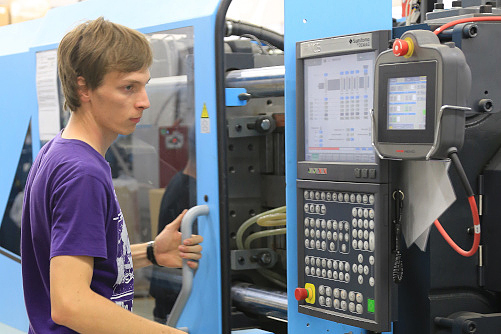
(239, 28)
(452, 153)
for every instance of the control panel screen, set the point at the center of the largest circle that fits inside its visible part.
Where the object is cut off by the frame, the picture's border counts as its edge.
(338, 96)
(407, 103)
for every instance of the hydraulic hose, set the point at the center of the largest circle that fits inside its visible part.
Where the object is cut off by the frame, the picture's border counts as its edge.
(239, 28)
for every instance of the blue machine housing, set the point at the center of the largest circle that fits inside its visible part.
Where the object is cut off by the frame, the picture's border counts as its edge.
(18, 99)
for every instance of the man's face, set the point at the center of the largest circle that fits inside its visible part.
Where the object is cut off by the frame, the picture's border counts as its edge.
(117, 105)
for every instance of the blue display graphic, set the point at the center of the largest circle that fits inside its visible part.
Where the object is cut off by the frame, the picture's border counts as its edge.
(338, 97)
(407, 103)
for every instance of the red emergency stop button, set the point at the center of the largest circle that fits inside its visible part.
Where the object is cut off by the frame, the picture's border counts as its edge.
(403, 47)
(301, 294)
(400, 47)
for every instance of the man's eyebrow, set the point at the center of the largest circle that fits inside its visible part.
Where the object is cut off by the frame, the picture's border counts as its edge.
(134, 81)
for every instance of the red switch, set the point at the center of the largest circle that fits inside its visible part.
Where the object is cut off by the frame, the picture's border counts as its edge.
(301, 294)
(400, 47)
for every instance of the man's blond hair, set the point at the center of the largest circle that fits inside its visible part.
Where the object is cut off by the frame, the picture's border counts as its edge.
(95, 48)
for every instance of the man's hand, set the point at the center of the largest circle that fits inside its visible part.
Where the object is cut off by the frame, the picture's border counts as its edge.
(169, 252)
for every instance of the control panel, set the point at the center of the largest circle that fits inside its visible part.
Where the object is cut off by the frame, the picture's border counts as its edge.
(343, 252)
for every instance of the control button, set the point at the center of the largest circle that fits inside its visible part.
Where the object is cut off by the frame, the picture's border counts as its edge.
(312, 222)
(360, 309)
(403, 47)
(371, 260)
(366, 234)
(366, 224)
(324, 234)
(312, 194)
(371, 199)
(307, 271)
(334, 224)
(360, 244)
(336, 265)
(371, 213)
(351, 307)
(328, 196)
(343, 248)
(312, 208)
(366, 213)
(353, 198)
(347, 278)
(312, 244)
(372, 173)
(340, 197)
(354, 222)
(335, 275)
(354, 244)
(306, 208)
(322, 196)
(334, 196)
(306, 222)
(334, 236)
(321, 300)
(355, 268)
(360, 268)
(323, 223)
(318, 262)
(312, 271)
(366, 245)
(366, 270)
(341, 265)
(318, 272)
(360, 279)
(336, 293)
(360, 212)
(329, 235)
(360, 223)
(306, 194)
(318, 245)
(329, 264)
(300, 294)
(361, 234)
(365, 199)
(357, 172)
(321, 289)
(323, 209)
(336, 303)
(360, 298)
(317, 234)
(371, 224)
(307, 260)
(317, 195)
(329, 224)
(371, 305)
(306, 233)
(328, 302)
(328, 291)
(372, 241)
(341, 236)
(346, 226)
(341, 276)
(344, 305)
(354, 212)
(344, 294)
(359, 198)
(347, 237)
(317, 223)
(329, 274)
(346, 197)
(354, 233)
(332, 247)
(371, 281)
(324, 245)
(365, 173)
(317, 208)
(306, 243)
(360, 258)
(312, 233)
(324, 263)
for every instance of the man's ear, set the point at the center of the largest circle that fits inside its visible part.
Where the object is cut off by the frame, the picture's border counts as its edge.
(83, 90)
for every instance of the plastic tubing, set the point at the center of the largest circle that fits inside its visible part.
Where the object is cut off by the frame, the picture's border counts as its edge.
(252, 220)
(468, 19)
(263, 234)
(476, 224)
(274, 219)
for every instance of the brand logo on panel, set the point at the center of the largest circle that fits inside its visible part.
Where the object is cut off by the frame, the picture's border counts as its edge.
(361, 42)
(318, 171)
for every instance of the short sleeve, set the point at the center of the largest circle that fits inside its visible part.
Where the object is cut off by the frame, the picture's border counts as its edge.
(79, 212)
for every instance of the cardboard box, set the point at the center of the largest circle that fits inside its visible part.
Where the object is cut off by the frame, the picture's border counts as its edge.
(4, 15)
(155, 196)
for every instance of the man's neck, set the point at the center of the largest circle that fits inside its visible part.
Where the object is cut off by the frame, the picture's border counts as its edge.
(85, 129)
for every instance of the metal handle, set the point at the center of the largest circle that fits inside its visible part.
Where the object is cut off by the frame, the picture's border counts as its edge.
(187, 282)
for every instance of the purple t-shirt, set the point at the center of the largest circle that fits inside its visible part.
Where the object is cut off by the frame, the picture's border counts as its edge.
(70, 208)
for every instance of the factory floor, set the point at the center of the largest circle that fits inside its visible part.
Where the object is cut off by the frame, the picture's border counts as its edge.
(143, 306)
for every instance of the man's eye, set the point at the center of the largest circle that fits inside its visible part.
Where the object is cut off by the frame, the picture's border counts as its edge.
(128, 88)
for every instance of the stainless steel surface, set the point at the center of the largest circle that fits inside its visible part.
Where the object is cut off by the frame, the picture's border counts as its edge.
(265, 81)
(262, 301)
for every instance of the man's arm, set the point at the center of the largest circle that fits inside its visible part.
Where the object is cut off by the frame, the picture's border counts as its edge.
(75, 305)
(168, 250)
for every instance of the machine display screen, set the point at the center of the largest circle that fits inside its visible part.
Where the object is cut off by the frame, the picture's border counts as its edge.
(407, 103)
(338, 96)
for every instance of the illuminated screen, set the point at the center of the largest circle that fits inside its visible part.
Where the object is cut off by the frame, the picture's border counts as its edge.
(407, 103)
(338, 96)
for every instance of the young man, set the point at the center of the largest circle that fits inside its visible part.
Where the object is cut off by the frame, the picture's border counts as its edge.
(76, 259)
